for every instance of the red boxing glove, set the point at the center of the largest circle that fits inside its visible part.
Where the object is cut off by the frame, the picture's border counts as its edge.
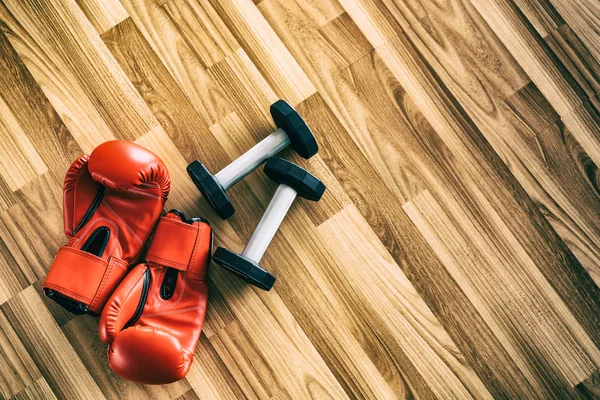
(152, 321)
(112, 200)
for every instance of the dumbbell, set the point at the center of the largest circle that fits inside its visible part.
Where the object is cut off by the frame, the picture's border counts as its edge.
(292, 131)
(293, 181)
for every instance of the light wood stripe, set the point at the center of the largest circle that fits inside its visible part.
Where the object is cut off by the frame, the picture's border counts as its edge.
(50, 349)
(19, 162)
(38, 120)
(265, 49)
(18, 369)
(583, 17)
(30, 233)
(526, 293)
(363, 264)
(454, 254)
(104, 99)
(82, 334)
(103, 14)
(204, 30)
(38, 390)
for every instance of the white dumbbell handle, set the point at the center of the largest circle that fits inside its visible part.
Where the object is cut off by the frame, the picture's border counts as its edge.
(251, 159)
(269, 223)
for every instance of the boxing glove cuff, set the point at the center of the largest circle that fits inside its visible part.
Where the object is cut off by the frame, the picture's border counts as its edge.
(92, 288)
(172, 234)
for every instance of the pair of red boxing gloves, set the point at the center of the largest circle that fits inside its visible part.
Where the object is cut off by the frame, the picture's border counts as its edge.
(151, 315)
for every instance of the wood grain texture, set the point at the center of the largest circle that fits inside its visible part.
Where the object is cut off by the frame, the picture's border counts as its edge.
(103, 14)
(584, 18)
(37, 390)
(378, 207)
(50, 349)
(455, 253)
(99, 102)
(19, 370)
(492, 87)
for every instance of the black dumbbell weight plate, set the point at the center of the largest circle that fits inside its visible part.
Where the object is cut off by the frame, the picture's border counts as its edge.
(210, 188)
(303, 182)
(245, 268)
(302, 139)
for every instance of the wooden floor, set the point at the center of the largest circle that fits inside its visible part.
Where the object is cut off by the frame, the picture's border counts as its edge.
(456, 253)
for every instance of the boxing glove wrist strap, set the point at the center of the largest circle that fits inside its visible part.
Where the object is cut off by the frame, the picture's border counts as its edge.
(95, 286)
(173, 244)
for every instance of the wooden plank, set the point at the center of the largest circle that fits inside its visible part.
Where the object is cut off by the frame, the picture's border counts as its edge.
(7, 198)
(39, 390)
(347, 39)
(583, 18)
(204, 31)
(218, 313)
(76, 71)
(265, 49)
(577, 59)
(209, 376)
(18, 369)
(30, 233)
(103, 14)
(179, 58)
(392, 309)
(29, 108)
(48, 347)
(160, 91)
(82, 334)
(20, 163)
(12, 278)
(401, 239)
(371, 19)
(510, 112)
(535, 58)
(250, 369)
(251, 95)
(32, 230)
(570, 201)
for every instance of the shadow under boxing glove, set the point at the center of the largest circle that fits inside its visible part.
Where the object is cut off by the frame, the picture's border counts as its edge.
(152, 321)
(112, 201)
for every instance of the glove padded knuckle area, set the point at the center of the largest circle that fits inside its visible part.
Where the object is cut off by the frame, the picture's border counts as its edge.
(129, 356)
(123, 165)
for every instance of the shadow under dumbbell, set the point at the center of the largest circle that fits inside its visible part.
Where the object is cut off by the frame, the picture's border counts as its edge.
(293, 181)
(292, 131)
